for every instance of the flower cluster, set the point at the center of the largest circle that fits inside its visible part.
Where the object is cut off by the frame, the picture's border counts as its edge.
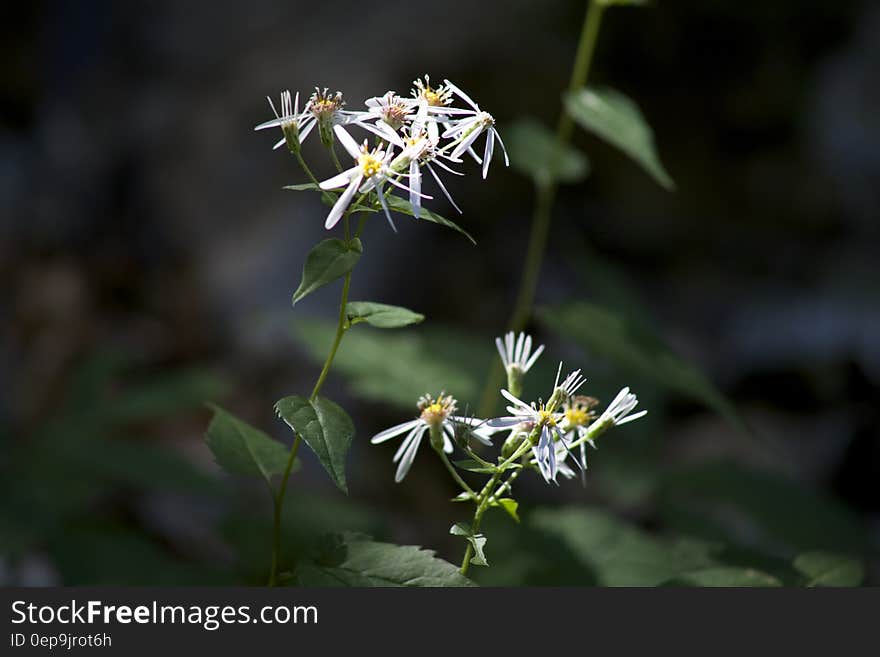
(426, 131)
(541, 435)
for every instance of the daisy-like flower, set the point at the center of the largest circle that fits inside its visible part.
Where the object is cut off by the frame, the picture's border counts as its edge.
(618, 411)
(288, 120)
(516, 352)
(391, 109)
(371, 171)
(420, 149)
(577, 416)
(545, 418)
(465, 131)
(436, 415)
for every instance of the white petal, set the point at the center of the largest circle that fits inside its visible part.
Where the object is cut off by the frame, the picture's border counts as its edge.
(503, 150)
(461, 95)
(500, 347)
(443, 187)
(339, 180)
(388, 434)
(347, 141)
(410, 454)
(503, 422)
(517, 351)
(342, 203)
(385, 207)
(630, 418)
(534, 357)
(487, 153)
(405, 443)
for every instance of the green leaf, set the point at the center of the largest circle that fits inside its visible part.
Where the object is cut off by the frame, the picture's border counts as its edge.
(431, 359)
(631, 347)
(828, 569)
(510, 505)
(470, 465)
(477, 541)
(305, 187)
(536, 152)
(380, 315)
(329, 260)
(747, 506)
(401, 205)
(724, 576)
(616, 119)
(358, 561)
(241, 449)
(325, 427)
(618, 554)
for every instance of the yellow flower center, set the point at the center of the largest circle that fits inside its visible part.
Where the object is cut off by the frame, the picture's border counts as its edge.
(370, 166)
(577, 417)
(546, 418)
(433, 97)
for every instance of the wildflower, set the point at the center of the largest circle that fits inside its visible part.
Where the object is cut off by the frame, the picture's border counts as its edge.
(544, 420)
(437, 417)
(618, 412)
(578, 416)
(517, 357)
(391, 109)
(289, 122)
(371, 171)
(465, 131)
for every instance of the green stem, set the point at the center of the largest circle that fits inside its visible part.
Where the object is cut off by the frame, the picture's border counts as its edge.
(340, 331)
(546, 195)
(278, 500)
(461, 482)
(485, 497)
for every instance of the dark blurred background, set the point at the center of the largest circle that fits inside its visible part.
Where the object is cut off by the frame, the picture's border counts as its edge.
(148, 256)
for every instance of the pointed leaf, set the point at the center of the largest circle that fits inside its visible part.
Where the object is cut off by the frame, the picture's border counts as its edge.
(241, 449)
(325, 427)
(359, 561)
(470, 465)
(828, 569)
(536, 152)
(329, 260)
(510, 505)
(616, 119)
(477, 541)
(400, 205)
(380, 315)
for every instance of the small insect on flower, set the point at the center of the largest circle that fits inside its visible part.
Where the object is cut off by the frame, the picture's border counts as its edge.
(437, 416)
(466, 130)
(370, 172)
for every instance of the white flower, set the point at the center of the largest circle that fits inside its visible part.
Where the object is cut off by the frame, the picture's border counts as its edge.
(618, 411)
(371, 171)
(517, 351)
(578, 415)
(390, 110)
(437, 413)
(465, 131)
(542, 416)
(420, 149)
(289, 118)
